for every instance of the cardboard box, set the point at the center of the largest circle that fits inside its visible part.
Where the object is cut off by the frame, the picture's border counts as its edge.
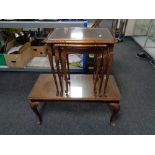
(21, 59)
(39, 51)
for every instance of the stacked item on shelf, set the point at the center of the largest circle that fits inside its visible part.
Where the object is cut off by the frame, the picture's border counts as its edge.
(2, 58)
(39, 48)
(39, 52)
(41, 62)
(15, 48)
(2, 50)
(18, 56)
(6, 40)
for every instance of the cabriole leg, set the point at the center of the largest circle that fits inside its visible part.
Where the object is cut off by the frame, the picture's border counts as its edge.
(115, 109)
(34, 106)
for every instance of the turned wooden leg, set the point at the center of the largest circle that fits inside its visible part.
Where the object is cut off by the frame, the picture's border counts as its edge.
(108, 69)
(57, 60)
(67, 59)
(103, 70)
(115, 109)
(97, 72)
(95, 58)
(50, 57)
(34, 106)
(64, 71)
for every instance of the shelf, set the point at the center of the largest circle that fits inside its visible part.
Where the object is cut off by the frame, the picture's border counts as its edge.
(42, 24)
(38, 64)
(36, 69)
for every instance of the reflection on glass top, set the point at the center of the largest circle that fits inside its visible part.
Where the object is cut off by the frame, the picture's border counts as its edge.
(76, 35)
(81, 34)
(76, 91)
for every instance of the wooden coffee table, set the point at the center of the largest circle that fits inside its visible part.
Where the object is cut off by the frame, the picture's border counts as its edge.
(81, 89)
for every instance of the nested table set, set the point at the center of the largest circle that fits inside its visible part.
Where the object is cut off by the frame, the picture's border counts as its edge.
(99, 86)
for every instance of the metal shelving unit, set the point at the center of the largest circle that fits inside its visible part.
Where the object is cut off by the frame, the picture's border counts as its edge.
(35, 69)
(42, 24)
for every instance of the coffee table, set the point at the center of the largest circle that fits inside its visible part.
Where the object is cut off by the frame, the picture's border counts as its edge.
(81, 89)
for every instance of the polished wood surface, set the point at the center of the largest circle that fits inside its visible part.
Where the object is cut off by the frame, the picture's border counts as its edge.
(67, 41)
(81, 35)
(81, 88)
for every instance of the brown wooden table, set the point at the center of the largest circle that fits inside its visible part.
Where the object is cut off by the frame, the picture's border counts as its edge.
(63, 42)
(44, 91)
(98, 41)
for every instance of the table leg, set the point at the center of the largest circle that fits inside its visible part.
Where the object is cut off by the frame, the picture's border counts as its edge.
(60, 62)
(50, 57)
(34, 106)
(103, 70)
(97, 72)
(108, 68)
(100, 74)
(67, 59)
(57, 60)
(115, 109)
(95, 58)
(64, 71)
